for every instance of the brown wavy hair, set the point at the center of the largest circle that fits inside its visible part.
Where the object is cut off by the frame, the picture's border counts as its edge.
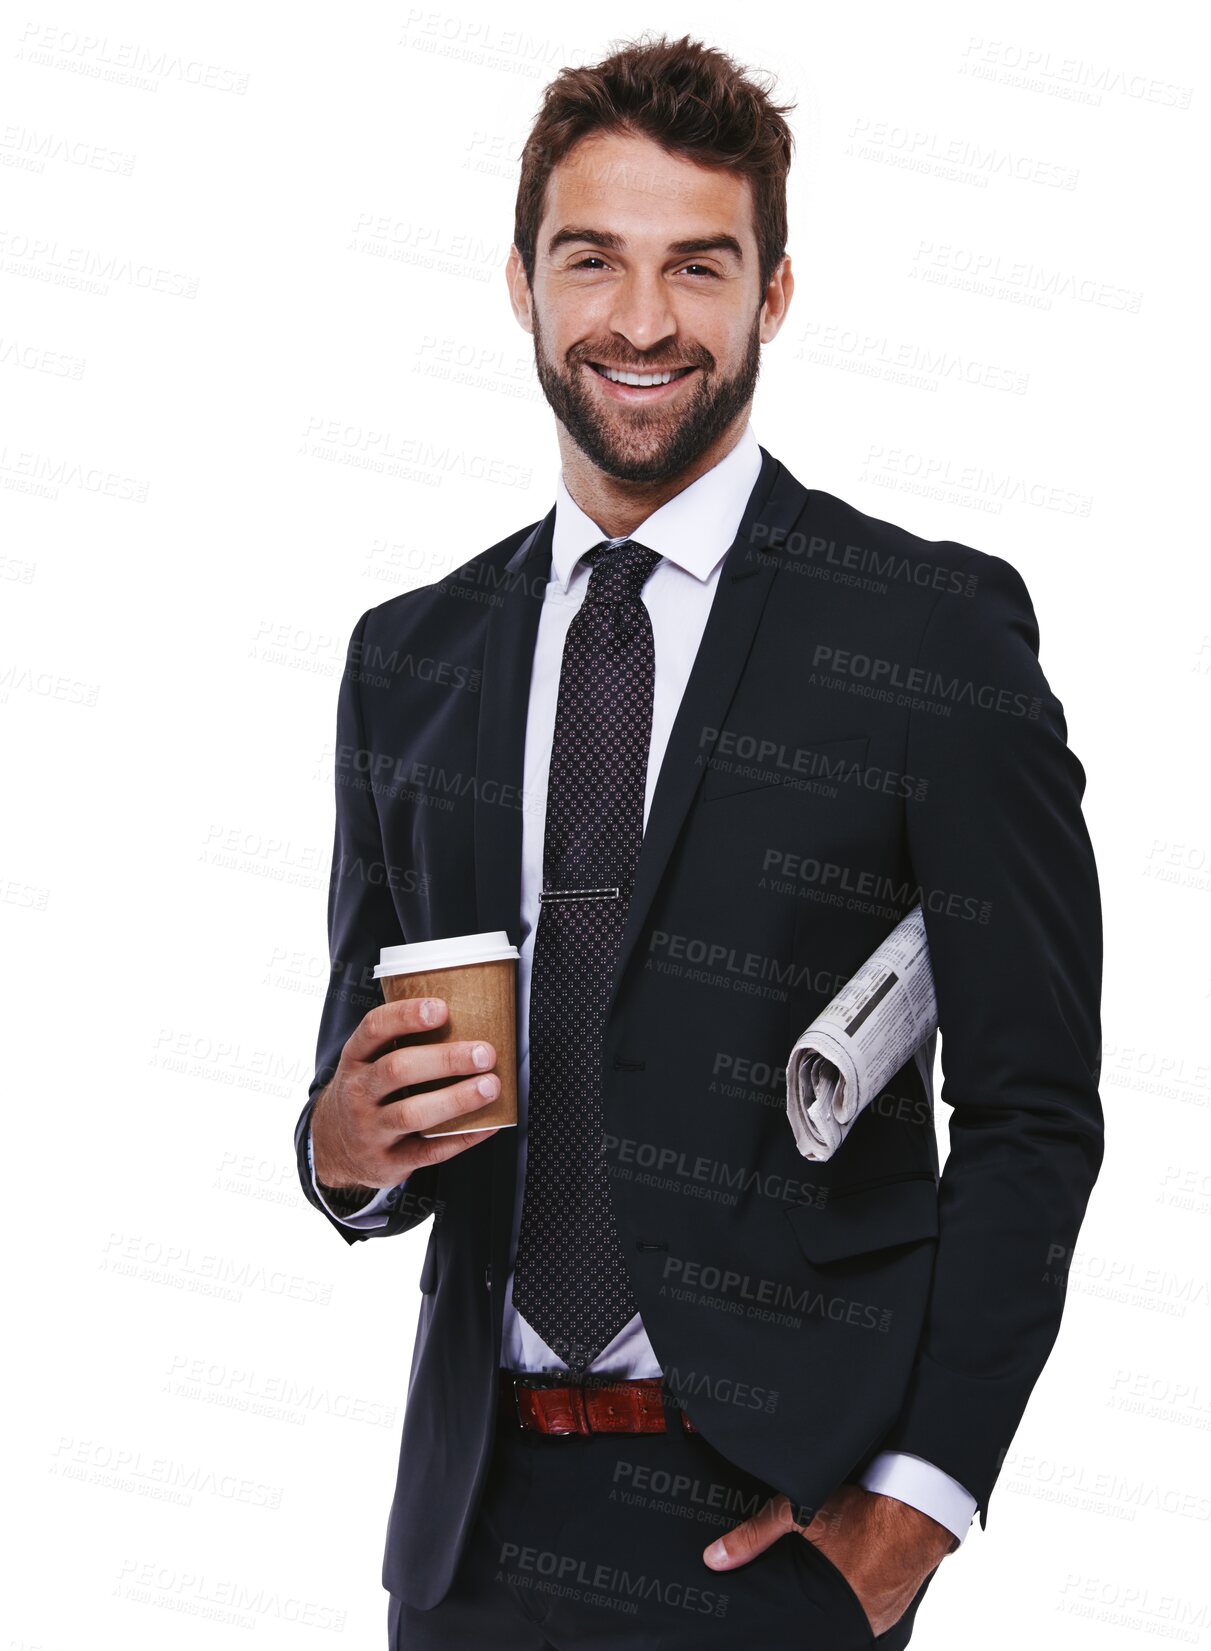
(692, 100)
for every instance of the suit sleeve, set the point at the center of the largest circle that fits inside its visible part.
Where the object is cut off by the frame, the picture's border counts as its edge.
(1013, 918)
(356, 1212)
(361, 919)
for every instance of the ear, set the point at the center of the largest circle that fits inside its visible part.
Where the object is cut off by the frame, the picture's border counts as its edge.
(777, 299)
(519, 290)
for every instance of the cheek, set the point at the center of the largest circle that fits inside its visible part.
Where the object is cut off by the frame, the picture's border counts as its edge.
(727, 338)
(573, 312)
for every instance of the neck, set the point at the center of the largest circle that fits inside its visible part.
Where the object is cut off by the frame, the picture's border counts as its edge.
(617, 506)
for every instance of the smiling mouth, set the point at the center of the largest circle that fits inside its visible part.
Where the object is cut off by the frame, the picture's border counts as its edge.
(639, 381)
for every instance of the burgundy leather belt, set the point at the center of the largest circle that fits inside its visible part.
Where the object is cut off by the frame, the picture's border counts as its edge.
(542, 1403)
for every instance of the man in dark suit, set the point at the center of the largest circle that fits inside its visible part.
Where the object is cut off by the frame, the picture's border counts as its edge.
(696, 741)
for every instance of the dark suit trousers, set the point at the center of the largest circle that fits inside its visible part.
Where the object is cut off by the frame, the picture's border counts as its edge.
(597, 1542)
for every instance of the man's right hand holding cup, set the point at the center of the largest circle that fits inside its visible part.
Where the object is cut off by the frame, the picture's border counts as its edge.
(362, 1140)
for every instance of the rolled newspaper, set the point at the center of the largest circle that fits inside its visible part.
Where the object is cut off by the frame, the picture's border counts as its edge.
(884, 1016)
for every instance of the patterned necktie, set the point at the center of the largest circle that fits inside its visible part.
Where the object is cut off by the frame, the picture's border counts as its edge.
(570, 1280)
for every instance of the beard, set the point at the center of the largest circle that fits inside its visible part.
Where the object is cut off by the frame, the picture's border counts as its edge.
(639, 444)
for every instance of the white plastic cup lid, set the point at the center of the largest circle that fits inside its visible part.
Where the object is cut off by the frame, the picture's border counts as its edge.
(452, 953)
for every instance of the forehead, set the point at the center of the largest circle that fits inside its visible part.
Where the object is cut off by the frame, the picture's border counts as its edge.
(632, 186)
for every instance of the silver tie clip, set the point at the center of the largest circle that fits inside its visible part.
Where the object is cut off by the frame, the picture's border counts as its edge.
(580, 894)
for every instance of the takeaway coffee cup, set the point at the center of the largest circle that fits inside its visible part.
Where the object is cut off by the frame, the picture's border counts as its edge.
(477, 976)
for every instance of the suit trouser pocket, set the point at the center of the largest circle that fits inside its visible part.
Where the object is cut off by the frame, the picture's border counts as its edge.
(838, 1581)
(900, 1632)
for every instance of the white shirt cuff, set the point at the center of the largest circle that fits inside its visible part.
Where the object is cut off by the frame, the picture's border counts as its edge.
(374, 1214)
(917, 1482)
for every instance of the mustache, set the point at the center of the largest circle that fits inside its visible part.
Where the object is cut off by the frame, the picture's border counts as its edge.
(579, 354)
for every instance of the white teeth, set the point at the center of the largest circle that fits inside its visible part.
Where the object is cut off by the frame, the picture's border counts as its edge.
(642, 381)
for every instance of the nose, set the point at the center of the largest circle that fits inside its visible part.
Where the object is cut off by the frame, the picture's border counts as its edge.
(641, 311)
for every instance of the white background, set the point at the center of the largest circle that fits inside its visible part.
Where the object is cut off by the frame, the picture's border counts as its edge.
(246, 252)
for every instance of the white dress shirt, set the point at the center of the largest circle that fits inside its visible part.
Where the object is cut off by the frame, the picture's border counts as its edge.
(692, 532)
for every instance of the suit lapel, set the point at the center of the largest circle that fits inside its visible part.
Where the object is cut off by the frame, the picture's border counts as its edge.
(500, 751)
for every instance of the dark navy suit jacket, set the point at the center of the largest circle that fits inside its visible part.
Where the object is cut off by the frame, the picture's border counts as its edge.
(866, 725)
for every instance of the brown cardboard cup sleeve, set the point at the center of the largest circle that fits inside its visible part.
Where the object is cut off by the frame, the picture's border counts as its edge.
(477, 976)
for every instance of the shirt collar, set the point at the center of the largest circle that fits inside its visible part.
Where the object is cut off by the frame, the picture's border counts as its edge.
(694, 529)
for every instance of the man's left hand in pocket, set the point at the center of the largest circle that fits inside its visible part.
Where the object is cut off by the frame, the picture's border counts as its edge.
(883, 1548)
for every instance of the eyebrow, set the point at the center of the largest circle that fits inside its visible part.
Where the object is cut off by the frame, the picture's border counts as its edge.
(616, 243)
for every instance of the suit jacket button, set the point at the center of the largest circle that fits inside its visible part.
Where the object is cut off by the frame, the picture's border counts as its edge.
(488, 1275)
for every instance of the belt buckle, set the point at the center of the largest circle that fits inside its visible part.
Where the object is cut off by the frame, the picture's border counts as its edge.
(539, 1378)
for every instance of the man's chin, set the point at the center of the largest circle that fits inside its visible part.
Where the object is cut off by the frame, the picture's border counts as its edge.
(636, 458)
(631, 467)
